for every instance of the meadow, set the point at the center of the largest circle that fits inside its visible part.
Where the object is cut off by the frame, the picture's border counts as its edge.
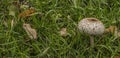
(53, 15)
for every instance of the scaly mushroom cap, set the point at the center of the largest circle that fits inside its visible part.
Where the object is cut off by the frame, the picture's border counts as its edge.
(91, 26)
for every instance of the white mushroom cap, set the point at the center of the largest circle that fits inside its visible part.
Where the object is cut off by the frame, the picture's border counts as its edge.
(91, 26)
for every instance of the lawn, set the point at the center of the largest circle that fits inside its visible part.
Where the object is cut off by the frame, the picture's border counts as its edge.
(51, 17)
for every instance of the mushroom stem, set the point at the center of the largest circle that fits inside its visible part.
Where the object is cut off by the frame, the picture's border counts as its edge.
(92, 41)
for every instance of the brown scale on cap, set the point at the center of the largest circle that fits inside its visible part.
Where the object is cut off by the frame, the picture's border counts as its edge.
(93, 19)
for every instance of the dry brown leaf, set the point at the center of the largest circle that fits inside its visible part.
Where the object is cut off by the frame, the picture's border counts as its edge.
(116, 56)
(114, 30)
(27, 13)
(63, 32)
(30, 31)
(111, 29)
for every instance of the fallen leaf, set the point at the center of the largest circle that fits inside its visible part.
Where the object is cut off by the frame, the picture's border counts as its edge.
(30, 31)
(116, 56)
(63, 32)
(111, 29)
(27, 13)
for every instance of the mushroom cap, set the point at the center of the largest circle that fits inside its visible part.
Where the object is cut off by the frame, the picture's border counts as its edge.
(91, 26)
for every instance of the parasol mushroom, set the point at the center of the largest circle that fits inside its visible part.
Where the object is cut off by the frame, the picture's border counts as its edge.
(92, 27)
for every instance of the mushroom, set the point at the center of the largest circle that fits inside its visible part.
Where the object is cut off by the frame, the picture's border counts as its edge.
(91, 27)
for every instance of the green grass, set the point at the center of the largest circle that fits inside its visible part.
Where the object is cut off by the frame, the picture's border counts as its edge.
(57, 14)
